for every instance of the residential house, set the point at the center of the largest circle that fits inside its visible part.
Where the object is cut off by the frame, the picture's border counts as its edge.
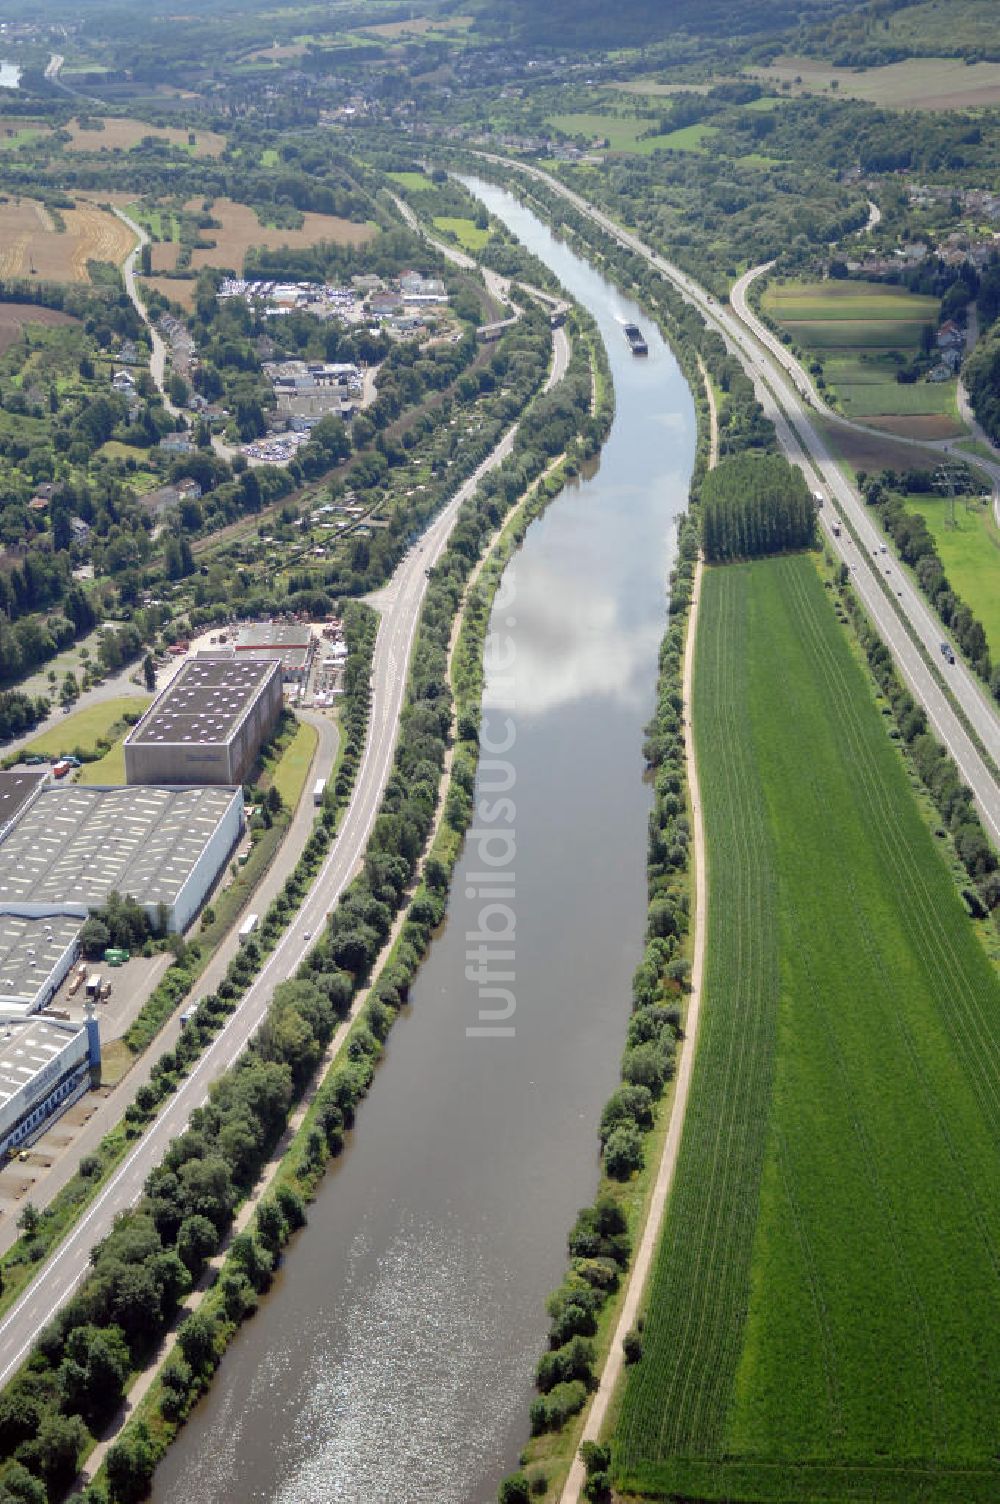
(950, 336)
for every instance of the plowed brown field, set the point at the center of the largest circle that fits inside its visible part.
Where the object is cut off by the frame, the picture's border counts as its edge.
(124, 134)
(241, 229)
(14, 316)
(30, 243)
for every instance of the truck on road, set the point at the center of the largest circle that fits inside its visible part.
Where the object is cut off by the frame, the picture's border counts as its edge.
(319, 789)
(247, 928)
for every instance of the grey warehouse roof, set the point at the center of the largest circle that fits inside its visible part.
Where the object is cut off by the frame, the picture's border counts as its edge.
(30, 950)
(15, 791)
(205, 703)
(291, 657)
(273, 634)
(74, 845)
(26, 1049)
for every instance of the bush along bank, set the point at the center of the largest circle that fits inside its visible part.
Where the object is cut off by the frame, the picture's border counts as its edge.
(582, 1310)
(935, 767)
(304, 1012)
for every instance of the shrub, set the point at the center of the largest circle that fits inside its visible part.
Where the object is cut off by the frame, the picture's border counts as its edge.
(623, 1152)
(555, 1409)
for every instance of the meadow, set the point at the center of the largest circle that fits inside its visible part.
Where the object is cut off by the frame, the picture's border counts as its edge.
(85, 728)
(290, 772)
(862, 332)
(917, 83)
(624, 133)
(970, 553)
(414, 182)
(468, 234)
(823, 1319)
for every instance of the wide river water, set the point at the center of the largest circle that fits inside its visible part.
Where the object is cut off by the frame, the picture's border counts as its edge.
(394, 1359)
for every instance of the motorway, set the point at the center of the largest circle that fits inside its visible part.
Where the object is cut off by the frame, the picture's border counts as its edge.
(401, 602)
(892, 602)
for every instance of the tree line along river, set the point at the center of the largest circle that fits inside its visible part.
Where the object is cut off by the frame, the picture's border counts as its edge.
(394, 1357)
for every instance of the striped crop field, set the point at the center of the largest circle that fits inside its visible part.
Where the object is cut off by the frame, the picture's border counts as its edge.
(823, 1317)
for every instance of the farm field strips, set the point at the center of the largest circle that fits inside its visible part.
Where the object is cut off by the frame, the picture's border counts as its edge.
(863, 332)
(823, 1319)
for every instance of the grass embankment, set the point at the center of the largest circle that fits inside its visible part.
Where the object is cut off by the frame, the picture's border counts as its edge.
(83, 732)
(970, 553)
(863, 333)
(289, 776)
(824, 1314)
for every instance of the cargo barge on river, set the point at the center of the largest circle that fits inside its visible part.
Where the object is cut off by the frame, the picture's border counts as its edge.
(636, 340)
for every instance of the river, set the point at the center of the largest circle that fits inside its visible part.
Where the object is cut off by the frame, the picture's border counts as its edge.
(394, 1358)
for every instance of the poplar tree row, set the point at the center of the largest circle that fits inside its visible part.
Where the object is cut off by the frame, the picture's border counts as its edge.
(755, 504)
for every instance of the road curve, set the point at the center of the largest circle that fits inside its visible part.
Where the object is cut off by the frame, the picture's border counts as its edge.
(897, 610)
(59, 1276)
(966, 687)
(158, 358)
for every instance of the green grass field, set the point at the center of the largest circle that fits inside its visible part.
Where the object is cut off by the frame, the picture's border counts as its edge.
(416, 182)
(161, 223)
(468, 234)
(107, 769)
(625, 133)
(85, 728)
(293, 767)
(21, 138)
(970, 553)
(823, 1321)
(856, 329)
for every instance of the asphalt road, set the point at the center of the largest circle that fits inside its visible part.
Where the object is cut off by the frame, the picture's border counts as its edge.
(965, 687)
(158, 358)
(895, 613)
(110, 1108)
(400, 602)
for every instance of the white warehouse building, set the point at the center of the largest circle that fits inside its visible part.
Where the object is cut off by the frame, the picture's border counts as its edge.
(45, 1066)
(74, 845)
(36, 953)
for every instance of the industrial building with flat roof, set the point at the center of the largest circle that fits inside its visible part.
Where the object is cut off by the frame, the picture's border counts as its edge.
(161, 846)
(17, 791)
(35, 955)
(45, 1065)
(289, 643)
(208, 725)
